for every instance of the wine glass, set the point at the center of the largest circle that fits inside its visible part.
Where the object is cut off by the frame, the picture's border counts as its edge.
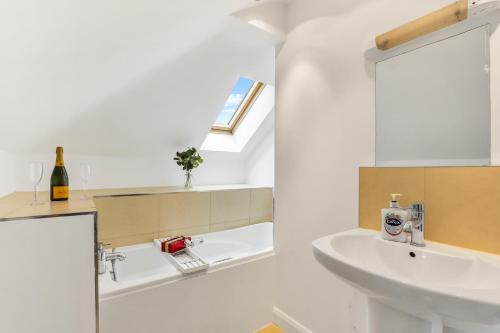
(36, 174)
(85, 176)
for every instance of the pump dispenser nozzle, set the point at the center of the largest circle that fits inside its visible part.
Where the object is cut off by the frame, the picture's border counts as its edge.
(394, 202)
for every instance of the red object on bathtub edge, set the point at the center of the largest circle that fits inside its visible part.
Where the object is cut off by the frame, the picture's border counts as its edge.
(174, 245)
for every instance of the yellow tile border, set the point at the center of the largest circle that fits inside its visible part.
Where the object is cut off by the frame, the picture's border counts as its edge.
(461, 202)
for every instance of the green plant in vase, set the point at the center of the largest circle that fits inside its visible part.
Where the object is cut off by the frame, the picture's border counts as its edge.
(188, 160)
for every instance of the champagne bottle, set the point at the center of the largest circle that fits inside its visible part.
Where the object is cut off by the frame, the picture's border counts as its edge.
(59, 183)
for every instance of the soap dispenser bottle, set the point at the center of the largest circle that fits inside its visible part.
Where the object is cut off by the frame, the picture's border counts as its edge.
(393, 221)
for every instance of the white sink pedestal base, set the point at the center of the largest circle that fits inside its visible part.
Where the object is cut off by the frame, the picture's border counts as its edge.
(383, 319)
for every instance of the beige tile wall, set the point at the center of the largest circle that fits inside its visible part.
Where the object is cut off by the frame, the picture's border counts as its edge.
(230, 209)
(462, 203)
(184, 210)
(137, 219)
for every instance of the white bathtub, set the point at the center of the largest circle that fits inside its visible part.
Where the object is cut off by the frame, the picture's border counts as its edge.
(235, 295)
(145, 266)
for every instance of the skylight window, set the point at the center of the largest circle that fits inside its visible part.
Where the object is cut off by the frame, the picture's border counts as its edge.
(239, 102)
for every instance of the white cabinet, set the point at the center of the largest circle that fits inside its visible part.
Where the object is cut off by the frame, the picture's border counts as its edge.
(47, 275)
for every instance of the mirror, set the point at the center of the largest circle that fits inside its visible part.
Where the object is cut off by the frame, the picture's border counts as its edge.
(433, 104)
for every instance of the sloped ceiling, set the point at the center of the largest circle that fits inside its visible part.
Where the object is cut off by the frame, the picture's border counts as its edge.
(121, 77)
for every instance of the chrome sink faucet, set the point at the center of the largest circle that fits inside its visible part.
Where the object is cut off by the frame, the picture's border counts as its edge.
(415, 226)
(103, 257)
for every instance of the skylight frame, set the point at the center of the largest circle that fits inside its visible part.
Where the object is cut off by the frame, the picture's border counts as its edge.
(241, 112)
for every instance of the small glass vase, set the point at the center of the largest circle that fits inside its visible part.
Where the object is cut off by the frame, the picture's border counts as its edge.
(189, 180)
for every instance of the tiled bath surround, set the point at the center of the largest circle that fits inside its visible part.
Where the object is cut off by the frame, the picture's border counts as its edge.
(461, 203)
(128, 220)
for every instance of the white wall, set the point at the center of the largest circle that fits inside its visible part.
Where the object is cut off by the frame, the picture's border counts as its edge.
(269, 16)
(260, 163)
(324, 131)
(135, 77)
(7, 173)
(124, 90)
(134, 171)
(495, 97)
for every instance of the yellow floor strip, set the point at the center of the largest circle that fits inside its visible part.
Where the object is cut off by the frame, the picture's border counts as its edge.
(271, 328)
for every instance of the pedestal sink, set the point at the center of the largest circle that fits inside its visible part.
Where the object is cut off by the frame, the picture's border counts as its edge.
(445, 285)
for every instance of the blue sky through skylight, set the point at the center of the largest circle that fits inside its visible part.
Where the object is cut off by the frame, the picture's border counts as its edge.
(238, 94)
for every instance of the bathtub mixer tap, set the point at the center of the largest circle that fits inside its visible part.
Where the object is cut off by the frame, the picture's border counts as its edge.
(103, 257)
(194, 241)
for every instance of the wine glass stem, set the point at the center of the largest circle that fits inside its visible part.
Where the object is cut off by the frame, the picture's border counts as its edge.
(36, 193)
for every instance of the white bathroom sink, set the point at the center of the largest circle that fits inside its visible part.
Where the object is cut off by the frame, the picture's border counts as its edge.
(456, 285)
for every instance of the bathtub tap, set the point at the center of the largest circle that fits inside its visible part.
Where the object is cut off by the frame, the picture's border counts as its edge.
(104, 257)
(101, 258)
(195, 241)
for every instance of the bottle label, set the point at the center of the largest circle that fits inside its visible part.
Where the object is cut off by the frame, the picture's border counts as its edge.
(60, 192)
(393, 224)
